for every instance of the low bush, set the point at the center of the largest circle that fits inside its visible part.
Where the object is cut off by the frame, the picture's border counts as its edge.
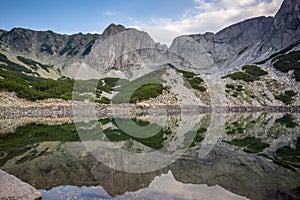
(254, 70)
(286, 97)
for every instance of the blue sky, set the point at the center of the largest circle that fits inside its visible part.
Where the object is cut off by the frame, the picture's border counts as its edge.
(72, 16)
(176, 16)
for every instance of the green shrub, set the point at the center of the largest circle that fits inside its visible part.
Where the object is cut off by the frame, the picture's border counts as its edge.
(242, 76)
(287, 62)
(254, 70)
(196, 80)
(198, 87)
(287, 120)
(129, 91)
(252, 73)
(33, 64)
(146, 92)
(240, 88)
(186, 74)
(289, 156)
(230, 86)
(103, 100)
(13, 66)
(287, 97)
(250, 144)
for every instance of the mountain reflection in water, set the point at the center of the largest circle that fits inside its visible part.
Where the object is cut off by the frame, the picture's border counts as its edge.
(162, 187)
(251, 155)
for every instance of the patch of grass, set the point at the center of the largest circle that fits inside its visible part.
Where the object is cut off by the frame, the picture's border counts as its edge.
(146, 92)
(283, 51)
(288, 156)
(287, 120)
(235, 94)
(287, 97)
(194, 81)
(287, 62)
(33, 64)
(186, 74)
(13, 66)
(250, 144)
(241, 76)
(34, 88)
(103, 100)
(252, 73)
(154, 142)
(17, 143)
(137, 90)
(254, 70)
(104, 121)
(199, 137)
(230, 86)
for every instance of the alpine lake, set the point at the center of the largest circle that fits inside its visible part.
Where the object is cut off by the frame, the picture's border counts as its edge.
(202, 156)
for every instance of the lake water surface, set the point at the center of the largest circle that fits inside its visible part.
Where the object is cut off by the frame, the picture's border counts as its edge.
(209, 156)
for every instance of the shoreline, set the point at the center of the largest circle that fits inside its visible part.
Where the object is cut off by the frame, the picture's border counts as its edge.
(79, 109)
(12, 106)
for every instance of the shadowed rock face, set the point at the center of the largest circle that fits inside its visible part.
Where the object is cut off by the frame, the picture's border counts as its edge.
(113, 29)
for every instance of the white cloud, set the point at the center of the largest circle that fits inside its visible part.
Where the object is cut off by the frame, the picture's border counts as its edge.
(215, 15)
(108, 13)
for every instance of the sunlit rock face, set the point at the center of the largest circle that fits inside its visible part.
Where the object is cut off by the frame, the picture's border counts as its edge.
(121, 48)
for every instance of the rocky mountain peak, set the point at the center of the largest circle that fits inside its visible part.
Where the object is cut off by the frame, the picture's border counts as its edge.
(288, 15)
(113, 29)
(2, 31)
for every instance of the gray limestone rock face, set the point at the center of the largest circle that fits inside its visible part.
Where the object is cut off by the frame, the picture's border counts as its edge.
(13, 188)
(246, 42)
(243, 43)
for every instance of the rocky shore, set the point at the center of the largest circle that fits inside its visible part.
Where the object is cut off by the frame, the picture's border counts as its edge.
(12, 188)
(12, 106)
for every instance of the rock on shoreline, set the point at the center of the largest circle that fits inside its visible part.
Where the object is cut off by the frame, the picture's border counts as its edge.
(13, 188)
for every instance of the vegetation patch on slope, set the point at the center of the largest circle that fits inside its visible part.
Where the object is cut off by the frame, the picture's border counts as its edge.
(251, 73)
(250, 144)
(287, 62)
(287, 120)
(193, 80)
(33, 64)
(288, 156)
(287, 97)
(143, 88)
(8, 65)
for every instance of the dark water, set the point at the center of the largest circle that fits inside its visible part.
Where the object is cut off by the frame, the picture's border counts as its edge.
(221, 156)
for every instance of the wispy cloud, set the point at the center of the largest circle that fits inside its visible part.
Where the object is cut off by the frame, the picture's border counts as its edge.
(215, 15)
(109, 13)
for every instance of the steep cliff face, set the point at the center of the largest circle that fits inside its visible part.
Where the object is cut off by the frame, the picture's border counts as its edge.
(119, 48)
(46, 46)
(243, 43)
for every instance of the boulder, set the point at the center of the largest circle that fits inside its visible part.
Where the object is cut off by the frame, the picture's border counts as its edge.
(13, 188)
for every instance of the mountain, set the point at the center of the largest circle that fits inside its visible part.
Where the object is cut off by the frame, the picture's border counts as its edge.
(247, 42)
(219, 58)
(243, 43)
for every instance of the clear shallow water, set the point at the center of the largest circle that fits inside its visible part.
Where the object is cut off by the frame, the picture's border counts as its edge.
(255, 156)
